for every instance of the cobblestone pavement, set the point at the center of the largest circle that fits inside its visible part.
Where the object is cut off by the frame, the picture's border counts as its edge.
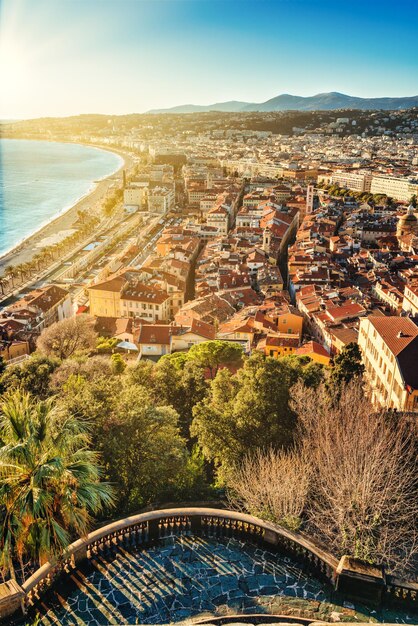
(187, 576)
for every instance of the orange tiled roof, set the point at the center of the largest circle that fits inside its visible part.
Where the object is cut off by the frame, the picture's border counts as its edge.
(396, 332)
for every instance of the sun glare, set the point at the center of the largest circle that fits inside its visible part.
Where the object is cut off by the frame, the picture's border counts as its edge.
(14, 64)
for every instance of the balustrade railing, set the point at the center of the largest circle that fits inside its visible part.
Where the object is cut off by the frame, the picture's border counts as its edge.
(146, 528)
(400, 592)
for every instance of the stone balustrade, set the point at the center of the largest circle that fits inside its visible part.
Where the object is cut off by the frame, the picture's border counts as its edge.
(400, 592)
(146, 528)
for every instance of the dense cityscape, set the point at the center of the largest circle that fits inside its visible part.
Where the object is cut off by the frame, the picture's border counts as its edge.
(208, 313)
(285, 243)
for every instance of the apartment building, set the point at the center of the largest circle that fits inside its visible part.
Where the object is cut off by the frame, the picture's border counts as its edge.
(399, 188)
(218, 217)
(135, 195)
(161, 200)
(389, 347)
(410, 300)
(145, 302)
(48, 305)
(356, 181)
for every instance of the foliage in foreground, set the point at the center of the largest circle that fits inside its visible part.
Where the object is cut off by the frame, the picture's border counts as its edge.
(351, 479)
(250, 410)
(49, 480)
(282, 434)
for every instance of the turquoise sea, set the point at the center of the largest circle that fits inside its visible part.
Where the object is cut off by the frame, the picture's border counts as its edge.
(41, 179)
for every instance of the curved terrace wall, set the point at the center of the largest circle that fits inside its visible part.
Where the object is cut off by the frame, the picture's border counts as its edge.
(351, 578)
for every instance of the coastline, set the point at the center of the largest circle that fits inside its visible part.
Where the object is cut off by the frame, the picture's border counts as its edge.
(23, 251)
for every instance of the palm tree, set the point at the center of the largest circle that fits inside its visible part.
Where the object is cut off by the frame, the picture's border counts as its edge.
(29, 268)
(44, 256)
(49, 480)
(11, 272)
(37, 260)
(18, 269)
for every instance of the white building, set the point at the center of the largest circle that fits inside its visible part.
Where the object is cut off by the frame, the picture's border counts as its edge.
(161, 200)
(135, 195)
(360, 181)
(394, 186)
(410, 300)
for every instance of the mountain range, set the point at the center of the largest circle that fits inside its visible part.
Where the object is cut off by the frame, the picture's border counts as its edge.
(286, 102)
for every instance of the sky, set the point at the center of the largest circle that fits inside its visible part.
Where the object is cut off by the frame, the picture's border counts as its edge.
(65, 57)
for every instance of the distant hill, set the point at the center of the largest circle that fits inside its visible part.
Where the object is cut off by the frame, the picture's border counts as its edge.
(229, 107)
(286, 102)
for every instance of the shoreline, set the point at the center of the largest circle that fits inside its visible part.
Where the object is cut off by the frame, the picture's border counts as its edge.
(24, 250)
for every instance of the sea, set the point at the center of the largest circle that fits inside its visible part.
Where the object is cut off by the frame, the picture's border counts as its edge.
(41, 179)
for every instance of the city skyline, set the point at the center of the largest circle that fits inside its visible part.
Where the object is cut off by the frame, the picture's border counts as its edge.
(66, 58)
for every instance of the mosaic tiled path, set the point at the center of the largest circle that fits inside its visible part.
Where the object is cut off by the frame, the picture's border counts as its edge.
(188, 576)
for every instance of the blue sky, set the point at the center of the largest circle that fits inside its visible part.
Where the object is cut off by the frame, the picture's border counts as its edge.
(63, 57)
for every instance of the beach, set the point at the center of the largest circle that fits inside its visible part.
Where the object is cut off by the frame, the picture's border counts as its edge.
(63, 224)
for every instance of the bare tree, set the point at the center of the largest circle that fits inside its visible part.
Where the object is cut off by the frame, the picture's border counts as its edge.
(67, 337)
(272, 485)
(363, 497)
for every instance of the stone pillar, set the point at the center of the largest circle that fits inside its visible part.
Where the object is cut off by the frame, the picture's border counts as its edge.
(153, 533)
(271, 537)
(196, 524)
(358, 580)
(11, 598)
(80, 554)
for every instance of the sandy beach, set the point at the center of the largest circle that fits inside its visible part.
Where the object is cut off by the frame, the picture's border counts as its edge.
(56, 228)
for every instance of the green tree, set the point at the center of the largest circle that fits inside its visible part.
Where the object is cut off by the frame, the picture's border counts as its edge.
(90, 400)
(212, 354)
(49, 480)
(33, 376)
(143, 450)
(194, 389)
(180, 387)
(347, 365)
(142, 373)
(2, 370)
(195, 481)
(118, 364)
(178, 359)
(245, 411)
(302, 368)
(91, 369)
(106, 345)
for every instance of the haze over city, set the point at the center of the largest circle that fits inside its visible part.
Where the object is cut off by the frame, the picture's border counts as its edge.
(64, 58)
